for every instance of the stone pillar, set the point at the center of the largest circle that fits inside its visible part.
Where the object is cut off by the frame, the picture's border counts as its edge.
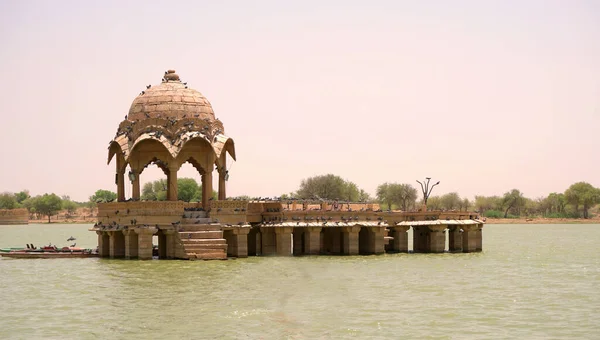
(172, 182)
(239, 242)
(350, 240)
(145, 242)
(131, 244)
(268, 241)
(479, 238)
(400, 241)
(469, 238)
(312, 241)
(437, 238)
(135, 190)
(117, 244)
(455, 239)
(222, 176)
(112, 245)
(284, 241)
(170, 243)
(103, 244)
(121, 186)
(206, 189)
(376, 244)
(298, 237)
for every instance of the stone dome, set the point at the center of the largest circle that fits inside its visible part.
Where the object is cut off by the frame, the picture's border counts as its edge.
(170, 99)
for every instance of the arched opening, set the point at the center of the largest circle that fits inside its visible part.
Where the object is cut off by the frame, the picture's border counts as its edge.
(154, 183)
(189, 188)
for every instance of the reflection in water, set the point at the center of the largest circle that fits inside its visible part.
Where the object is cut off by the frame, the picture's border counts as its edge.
(530, 282)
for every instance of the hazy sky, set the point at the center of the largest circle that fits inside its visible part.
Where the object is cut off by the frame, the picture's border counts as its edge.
(484, 96)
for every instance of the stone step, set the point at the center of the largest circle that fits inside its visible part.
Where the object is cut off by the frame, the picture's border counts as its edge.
(187, 235)
(205, 241)
(202, 248)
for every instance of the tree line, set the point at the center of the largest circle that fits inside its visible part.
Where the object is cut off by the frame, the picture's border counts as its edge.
(575, 202)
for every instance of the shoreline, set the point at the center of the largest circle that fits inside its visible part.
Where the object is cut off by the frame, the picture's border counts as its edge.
(542, 220)
(535, 220)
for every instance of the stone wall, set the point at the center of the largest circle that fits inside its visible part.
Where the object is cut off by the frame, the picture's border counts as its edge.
(14, 216)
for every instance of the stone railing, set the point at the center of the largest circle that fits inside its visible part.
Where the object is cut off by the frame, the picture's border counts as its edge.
(14, 216)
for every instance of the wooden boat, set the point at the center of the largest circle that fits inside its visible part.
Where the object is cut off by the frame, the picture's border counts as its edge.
(47, 255)
(6, 250)
(48, 252)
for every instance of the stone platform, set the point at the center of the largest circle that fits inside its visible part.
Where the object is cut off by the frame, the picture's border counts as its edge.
(243, 228)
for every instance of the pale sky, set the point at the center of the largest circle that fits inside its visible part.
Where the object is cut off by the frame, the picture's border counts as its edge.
(484, 96)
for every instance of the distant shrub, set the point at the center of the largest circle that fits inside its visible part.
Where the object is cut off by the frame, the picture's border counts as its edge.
(494, 214)
(563, 215)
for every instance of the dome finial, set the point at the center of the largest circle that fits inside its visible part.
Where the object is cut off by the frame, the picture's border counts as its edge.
(170, 75)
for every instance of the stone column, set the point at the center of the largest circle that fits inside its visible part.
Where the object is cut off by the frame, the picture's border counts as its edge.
(172, 182)
(284, 241)
(479, 238)
(222, 176)
(206, 189)
(102, 243)
(135, 190)
(239, 242)
(469, 239)
(298, 236)
(268, 241)
(117, 244)
(455, 239)
(170, 243)
(437, 238)
(145, 242)
(131, 244)
(112, 244)
(350, 240)
(121, 186)
(376, 243)
(400, 241)
(312, 241)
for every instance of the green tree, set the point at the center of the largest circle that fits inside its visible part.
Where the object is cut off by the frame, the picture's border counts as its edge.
(48, 205)
(451, 201)
(187, 189)
(513, 200)
(434, 203)
(384, 195)
(22, 195)
(328, 187)
(582, 194)
(103, 196)
(69, 206)
(485, 203)
(8, 200)
(404, 196)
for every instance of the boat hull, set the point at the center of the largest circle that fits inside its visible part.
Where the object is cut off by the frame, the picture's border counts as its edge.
(46, 255)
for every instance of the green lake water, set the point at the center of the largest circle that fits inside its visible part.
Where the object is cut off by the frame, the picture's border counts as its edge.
(530, 282)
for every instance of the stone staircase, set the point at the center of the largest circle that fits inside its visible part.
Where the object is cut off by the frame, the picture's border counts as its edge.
(201, 239)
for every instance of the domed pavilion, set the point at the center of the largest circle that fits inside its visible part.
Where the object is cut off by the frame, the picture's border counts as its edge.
(170, 124)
